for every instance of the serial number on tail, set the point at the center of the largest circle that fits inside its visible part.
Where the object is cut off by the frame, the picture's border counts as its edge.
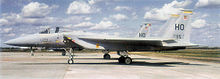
(178, 36)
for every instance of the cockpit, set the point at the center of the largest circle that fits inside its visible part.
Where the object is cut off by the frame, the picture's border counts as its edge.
(48, 31)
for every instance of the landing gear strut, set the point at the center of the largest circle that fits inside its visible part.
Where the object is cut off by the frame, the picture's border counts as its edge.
(63, 53)
(124, 57)
(32, 52)
(106, 54)
(70, 54)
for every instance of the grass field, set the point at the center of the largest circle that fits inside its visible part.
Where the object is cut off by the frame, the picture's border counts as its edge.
(212, 55)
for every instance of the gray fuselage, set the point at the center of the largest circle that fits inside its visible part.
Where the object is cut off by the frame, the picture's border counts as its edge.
(54, 40)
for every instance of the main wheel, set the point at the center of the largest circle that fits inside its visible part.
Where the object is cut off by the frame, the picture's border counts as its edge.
(70, 61)
(128, 60)
(106, 56)
(121, 59)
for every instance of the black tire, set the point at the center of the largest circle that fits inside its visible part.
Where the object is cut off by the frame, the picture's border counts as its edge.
(106, 56)
(121, 59)
(70, 61)
(128, 60)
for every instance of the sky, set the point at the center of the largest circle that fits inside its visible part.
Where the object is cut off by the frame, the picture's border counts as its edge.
(107, 17)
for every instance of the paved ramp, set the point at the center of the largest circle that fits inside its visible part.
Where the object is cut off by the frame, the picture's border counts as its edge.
(92, 66)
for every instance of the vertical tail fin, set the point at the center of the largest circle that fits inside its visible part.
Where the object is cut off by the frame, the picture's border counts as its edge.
(144, 31)
(167, 26)
(180, 29)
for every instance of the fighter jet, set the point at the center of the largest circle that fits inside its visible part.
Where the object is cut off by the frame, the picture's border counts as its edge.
(176, 35)
(50, 40)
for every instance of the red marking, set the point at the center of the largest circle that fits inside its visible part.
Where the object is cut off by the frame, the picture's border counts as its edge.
(73, 40)
(146, 28)
(185, 17)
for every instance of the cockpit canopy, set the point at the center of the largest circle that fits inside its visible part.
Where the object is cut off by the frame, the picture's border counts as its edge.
(47, 31)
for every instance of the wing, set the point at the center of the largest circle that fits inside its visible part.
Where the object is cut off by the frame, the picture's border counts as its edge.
(130, 44)
(121, 43)
(127, 41)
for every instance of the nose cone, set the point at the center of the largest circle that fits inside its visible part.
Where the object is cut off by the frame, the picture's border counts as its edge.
(11, 42)
(17, 41)
(29, 40)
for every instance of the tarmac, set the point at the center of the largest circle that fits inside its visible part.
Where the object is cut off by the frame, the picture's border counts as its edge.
(20, 65)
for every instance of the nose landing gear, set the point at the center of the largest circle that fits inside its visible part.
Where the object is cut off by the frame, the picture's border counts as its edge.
(70, 54)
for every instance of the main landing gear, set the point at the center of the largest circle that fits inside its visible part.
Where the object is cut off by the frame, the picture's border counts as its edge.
(70, 54)
(106, 54)
(124, 57)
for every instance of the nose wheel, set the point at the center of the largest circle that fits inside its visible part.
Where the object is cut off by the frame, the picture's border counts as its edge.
(70, 61)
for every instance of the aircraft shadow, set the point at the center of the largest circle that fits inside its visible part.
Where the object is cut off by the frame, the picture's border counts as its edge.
(139, 63)
(135, 63)
(114, 59)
